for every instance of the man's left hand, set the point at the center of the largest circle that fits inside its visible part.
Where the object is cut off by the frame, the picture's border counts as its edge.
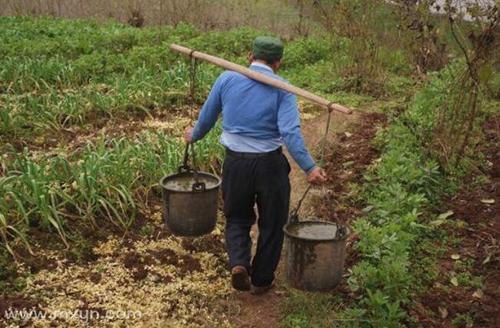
(188, 134)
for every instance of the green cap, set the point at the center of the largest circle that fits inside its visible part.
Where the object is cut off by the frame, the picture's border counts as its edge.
(267, 48)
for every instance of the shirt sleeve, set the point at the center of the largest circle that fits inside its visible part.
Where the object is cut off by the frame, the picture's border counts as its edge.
(289, 127)
(210, 111)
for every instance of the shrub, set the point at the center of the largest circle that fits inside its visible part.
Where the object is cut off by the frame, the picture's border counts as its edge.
(305, 51)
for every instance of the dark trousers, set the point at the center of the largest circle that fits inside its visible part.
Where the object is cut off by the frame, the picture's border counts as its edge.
(246, 181)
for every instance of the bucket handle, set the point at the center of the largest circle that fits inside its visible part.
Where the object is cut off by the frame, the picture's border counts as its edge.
(185, 166)
(294, 215)
(197, 186)
(184, 169)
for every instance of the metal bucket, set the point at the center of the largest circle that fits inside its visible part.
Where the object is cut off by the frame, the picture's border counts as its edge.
(190, 202)
(316, 252)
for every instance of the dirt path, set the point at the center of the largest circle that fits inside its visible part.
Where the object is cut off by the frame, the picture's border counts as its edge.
(264, 311)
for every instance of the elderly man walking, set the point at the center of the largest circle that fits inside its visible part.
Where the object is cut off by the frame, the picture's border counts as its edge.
(256, 120)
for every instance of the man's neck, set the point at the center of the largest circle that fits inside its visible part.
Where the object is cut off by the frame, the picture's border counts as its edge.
(262, 63)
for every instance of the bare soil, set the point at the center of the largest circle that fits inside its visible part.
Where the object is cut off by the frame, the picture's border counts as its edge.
(346, 162)
(18, 303)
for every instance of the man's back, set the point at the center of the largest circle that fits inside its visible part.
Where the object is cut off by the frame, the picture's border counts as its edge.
(250, 108)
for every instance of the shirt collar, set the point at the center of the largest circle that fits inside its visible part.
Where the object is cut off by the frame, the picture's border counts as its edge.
(257, 64)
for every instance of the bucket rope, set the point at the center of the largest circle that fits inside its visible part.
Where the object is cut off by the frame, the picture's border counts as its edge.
(293, 218)
(192, 99)
(192, 86)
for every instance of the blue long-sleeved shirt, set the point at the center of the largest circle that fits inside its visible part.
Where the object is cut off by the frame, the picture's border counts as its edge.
(255, 110)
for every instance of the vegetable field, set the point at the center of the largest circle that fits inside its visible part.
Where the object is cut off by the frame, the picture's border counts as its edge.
(92, 115)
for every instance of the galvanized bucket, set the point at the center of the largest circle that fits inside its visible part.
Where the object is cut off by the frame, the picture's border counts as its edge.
(315, 256)
(190, 201)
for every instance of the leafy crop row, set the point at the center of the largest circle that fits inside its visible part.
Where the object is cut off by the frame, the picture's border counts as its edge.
(56, 73)
(106, 180)
(400, 188)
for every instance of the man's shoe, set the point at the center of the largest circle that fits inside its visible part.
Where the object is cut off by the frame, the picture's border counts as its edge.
(259, 290)
(240, 278)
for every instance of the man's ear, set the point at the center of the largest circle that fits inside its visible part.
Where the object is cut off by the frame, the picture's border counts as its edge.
(277, 65)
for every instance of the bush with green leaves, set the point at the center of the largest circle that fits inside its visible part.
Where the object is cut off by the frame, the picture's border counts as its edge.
(398, 187)
(306, 51)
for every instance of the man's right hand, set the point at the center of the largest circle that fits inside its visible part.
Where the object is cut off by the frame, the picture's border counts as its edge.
(188, 134)
(316, 176)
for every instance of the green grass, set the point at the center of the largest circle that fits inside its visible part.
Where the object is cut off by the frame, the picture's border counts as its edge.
(303, 309)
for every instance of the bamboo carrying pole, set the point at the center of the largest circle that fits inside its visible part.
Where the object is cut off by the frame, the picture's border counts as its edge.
(262, 78)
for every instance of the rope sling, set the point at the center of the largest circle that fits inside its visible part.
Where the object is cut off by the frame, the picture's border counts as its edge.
(197, 186)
